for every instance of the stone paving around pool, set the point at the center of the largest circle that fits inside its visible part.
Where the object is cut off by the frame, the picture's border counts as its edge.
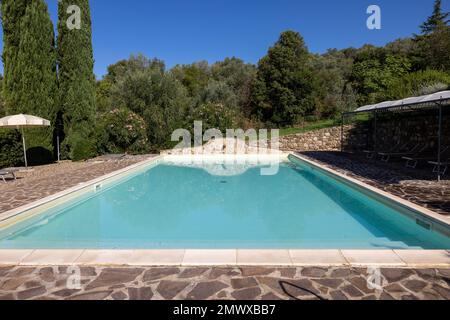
(200, 283)
(44, 181)
(417, 186)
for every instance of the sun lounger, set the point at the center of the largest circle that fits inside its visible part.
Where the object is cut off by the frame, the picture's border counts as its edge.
(8, 172)
(399, 146)
(440, 168)
(413, 161)
(417, 149)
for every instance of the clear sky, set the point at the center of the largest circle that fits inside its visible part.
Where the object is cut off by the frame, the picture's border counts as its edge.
(184, 31)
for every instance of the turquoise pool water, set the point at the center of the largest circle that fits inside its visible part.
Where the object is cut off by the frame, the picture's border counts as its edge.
(172, 206)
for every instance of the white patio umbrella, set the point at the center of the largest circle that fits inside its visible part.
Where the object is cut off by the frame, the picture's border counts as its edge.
(20, 122)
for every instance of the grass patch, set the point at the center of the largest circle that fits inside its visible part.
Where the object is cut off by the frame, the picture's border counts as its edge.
(312, 126)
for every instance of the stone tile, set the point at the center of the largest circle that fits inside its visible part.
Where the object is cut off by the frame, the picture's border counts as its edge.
(156, 258)
(317, 258)
(170, 289)
(47, 274)
(210, 257)
(352, 291)
(96, 295)
(444, 292)
(270, 297)
(219, 272)
(159, 273)
(314, 272)
(119, 296)
(423, 258)
(31, 293)
(241, 283)
(372, 258)
(144, 293)
(7, 297)
(329, 283)
(192, 272)
(263, 257)
(105, 257)
(52, 257)
(415, 285)
(246, 294)
(13, 257)
(256, 271)
(13, 283)
(109, 277)
(288, 272)
(205, 290)
(338, 295)
(396, 274)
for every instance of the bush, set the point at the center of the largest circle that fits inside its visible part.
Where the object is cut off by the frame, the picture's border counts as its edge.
(83, 149)
(121, 131)
(11, 152)
(216, 116)
(38, 156)
(418, 83)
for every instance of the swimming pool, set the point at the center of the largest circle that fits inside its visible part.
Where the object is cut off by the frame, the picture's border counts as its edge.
(225, 206)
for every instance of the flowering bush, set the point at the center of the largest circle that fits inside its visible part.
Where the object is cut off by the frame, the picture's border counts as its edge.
(121, 131)
(216, 116)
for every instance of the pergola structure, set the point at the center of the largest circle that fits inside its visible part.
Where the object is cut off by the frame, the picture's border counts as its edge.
(437, 102)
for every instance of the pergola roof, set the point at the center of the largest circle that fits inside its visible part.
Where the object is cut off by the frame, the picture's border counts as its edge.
(438, 97)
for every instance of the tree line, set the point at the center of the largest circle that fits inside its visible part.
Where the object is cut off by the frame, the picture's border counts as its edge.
(49, 77)
(139, 102)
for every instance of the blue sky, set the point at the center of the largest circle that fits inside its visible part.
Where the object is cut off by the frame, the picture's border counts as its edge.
(184, 31)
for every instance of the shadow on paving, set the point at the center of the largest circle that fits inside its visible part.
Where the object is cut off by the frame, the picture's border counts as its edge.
(394, 178)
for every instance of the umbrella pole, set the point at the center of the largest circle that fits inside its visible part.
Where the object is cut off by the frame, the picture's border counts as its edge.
(24, 149)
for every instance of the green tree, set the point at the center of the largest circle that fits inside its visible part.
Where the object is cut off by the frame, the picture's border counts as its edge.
(194, 77)
(334, 93)
(239, 77)
(374, 71)
(283, 90)
(35, 82)
(2, 101)
(76, 80)
(437, 20)
(434, 42)
(155, 95)
(12, 13)
(121, 131)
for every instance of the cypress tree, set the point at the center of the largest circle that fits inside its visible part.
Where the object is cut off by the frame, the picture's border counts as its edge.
(12, 12)
(31, 71)
(438, 20)
(76, 79)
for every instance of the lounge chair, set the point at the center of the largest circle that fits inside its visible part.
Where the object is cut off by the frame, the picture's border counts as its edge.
(413, 161)
(8, 172)
(371, 153)
(440, 168)
(417, 149)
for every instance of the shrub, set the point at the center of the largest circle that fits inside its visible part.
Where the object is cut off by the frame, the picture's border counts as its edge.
(121, 131)
(418, 83)
(11, 152)
(39, 156)
(216, 116)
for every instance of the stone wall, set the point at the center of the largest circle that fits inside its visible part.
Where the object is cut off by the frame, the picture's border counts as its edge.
(328, 139)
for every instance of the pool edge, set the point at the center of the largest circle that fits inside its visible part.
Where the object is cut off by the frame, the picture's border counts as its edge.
(229, 258)
(232, 257)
